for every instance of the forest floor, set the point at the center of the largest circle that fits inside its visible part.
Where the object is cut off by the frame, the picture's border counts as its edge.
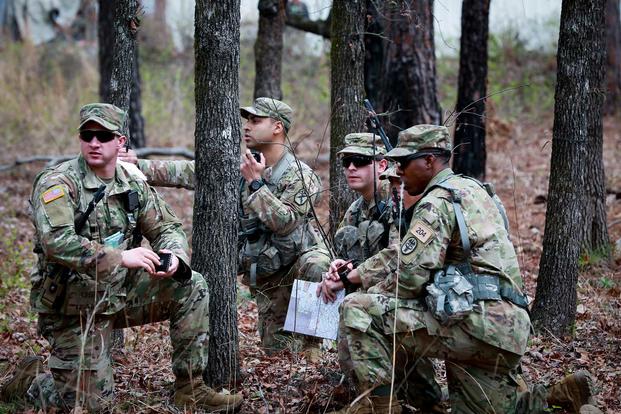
(518, 165)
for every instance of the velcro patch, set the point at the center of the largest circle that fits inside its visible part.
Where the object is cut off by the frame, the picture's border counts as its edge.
(422, 231)
(408, 246)
(300, 198)
(52, 194)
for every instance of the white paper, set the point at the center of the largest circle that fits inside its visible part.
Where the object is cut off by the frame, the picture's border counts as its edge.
(307, 314)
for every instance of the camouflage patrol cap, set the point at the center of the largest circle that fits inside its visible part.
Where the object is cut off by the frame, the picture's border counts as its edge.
(389, 173)
(362, 143)
(269, 108)
(419, 137)
(107, 115)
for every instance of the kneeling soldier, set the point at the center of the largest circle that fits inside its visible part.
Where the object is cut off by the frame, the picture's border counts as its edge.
(91, 278)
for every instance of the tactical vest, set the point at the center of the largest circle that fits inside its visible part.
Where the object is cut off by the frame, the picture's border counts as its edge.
(262, 253)
(82, 292)
(457, 287)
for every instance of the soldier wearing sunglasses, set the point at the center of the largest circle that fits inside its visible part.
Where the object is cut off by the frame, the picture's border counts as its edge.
(452, 291)
(366, 229)
(119, 284)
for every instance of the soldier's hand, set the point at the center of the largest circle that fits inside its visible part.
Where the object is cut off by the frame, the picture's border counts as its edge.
(336, 266)
(140, 258)
(328, 289)
(127, 155)
(174, 265)
(251, 169)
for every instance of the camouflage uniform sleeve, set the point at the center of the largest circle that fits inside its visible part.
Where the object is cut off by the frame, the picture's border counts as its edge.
(171, 173)
(282, 214)
(160, 225)
(54, 206)
(420, 253)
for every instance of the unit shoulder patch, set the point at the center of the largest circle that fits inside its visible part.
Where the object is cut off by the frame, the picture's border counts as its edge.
(422, 231)
(300, 198)
(408, 246)
(52, 194)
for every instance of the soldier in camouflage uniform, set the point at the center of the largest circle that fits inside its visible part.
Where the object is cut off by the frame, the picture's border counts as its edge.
(275, 210)
(112, 284)
(362, 231)
(453, 292)
(367, 228)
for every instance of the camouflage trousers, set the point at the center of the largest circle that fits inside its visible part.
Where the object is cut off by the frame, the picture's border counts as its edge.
(272, 296)
(481, 377)
(82, 352)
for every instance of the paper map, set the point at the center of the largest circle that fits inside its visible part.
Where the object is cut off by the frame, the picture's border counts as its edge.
(307, 314)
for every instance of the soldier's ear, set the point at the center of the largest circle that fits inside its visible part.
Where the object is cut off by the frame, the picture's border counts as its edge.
(121, 142)
(278, 127)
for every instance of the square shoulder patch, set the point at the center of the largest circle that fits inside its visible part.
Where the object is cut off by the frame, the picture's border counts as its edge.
(52, 194)
(422, 231)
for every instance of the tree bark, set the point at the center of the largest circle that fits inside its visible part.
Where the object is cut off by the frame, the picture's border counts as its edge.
(613, 66)
(117, 29)
(268, 49)
(136, 121)
(409, 79)
(374, 48)
(579, 80)
(347, 80)
(469, 141)
(217, 141)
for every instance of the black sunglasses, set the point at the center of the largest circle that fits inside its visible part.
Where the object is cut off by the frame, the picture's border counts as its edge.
(102, 136)
(357, 160)
(403, 162)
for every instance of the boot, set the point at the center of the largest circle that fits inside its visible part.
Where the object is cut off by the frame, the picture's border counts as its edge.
(371, 405)
(26, 371)
(572, 392)
(196, 394)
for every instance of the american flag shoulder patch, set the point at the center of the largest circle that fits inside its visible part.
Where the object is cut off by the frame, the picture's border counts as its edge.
(52, 194)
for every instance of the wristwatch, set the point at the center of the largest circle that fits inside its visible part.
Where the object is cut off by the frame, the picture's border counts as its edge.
(255, 185)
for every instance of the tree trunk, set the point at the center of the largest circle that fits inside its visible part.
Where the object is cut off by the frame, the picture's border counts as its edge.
(469, 141)
(613, 66)
(579, 80)
(268, 49)
(217, 141)
(347, 81)
(409, 80)
(117, 29)
(373, 52)
(136, 121)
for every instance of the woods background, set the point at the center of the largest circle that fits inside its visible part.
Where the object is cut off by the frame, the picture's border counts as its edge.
(42, 87)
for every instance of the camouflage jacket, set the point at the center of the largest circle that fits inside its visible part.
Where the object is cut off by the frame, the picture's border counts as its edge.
(63, 192)
(433, 242)
(280, 207)
(283, 210)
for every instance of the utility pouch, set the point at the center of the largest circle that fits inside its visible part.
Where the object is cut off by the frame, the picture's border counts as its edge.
(450, 297)
(54, 288)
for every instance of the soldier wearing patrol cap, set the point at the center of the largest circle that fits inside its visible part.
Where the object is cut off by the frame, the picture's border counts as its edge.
(108, 277)
(277, 192)
(367, 227)
(453, 292)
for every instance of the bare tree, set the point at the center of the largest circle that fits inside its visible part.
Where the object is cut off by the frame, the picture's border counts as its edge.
(346, 77)
(217, 141)
(409, 75)
(268, 49)
(613, 66)
(469, 140)
(581, 57)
